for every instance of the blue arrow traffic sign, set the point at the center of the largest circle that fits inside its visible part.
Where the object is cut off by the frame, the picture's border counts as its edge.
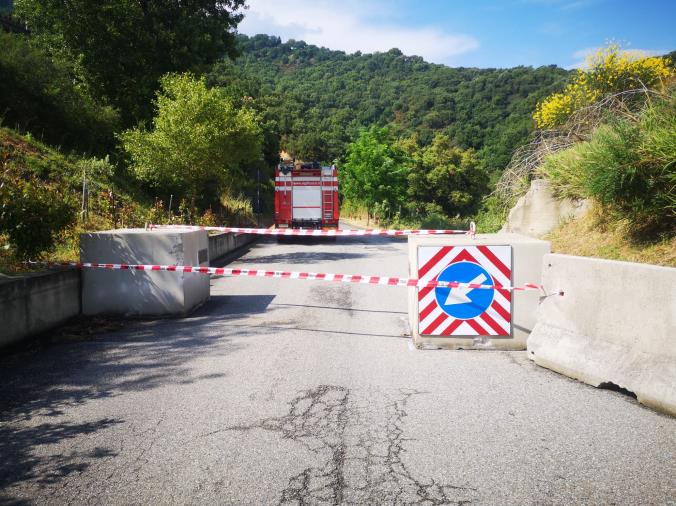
(464, 303)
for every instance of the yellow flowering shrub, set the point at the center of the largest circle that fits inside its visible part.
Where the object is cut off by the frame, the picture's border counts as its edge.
(609, 70)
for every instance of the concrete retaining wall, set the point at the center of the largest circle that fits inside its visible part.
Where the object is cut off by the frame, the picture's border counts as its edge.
(615, 324)
(37, 302)
(222, 244)
(537, 213)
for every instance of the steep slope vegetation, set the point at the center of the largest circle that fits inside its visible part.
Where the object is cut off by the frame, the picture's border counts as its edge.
(323, 97)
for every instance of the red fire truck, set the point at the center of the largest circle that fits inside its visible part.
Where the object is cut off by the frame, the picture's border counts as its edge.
(306, 196)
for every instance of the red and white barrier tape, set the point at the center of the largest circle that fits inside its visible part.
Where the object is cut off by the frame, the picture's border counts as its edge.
(321, 233)
(319, 276)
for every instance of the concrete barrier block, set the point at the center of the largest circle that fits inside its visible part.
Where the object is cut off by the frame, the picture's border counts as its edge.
(141, 293)
(614, 325)
(488, 319)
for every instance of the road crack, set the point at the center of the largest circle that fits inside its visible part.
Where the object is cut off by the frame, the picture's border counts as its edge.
(359, 453)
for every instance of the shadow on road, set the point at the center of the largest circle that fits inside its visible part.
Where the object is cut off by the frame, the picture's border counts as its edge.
(265, 330)
(19, 464)
(303, 257)
(340, 308)
(40, 385)
(228, 306)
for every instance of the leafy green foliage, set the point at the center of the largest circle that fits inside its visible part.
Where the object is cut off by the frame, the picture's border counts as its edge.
(33, 213)
(323, 98)
(237, 211)
(199, 140)
(447, 176)
(492, 215)
(120, 48)
(38, 95)
(41, 195)
(405, 181)
(627, 166)
(237, 85)
(35, 204)
(375, 171)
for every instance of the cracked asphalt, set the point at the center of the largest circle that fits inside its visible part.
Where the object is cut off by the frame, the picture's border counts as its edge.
(301, 392)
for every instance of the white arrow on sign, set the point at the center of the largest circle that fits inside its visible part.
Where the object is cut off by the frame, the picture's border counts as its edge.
(459, 295)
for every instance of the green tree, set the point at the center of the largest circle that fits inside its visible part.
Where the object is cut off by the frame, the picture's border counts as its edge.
(38, 95)
(199, 142)
(238, 84)
(446, 175)
(120, 48)
(375, 170)
(330, 96)
(310, 146)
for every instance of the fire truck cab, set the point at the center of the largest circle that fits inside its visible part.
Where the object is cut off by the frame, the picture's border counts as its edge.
(306, 196)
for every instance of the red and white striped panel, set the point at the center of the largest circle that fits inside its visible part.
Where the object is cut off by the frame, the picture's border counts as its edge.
(495, 321)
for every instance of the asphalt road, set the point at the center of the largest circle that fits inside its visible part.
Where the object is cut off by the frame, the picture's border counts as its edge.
(303, 392)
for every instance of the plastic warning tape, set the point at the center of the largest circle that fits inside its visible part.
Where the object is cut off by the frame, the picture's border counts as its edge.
(318, 276)
(320, 233)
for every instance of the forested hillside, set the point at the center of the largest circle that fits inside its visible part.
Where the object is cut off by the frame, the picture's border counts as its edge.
(184, 123)
(322, 97)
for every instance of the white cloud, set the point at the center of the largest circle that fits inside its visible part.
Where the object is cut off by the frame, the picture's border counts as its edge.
(582, 55)
(351, 26)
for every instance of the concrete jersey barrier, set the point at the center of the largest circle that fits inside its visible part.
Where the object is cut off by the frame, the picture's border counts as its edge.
(614, 325)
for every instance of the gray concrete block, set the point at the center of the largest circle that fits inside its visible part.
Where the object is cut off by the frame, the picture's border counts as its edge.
(614, 325)
(538, 212)
(141, 293)
(33, 303)
(526, 255)
(223, 243)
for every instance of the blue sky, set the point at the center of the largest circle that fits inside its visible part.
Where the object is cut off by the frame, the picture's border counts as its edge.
(474, 33)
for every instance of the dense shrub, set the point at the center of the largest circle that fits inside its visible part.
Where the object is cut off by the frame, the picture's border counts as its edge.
(237, 211)
(38, 95)
(40, 194)
(611, 70)
(33, 213)
(492, 215)
(628, 166)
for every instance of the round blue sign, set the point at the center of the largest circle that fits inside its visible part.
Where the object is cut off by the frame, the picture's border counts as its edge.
(464, 303)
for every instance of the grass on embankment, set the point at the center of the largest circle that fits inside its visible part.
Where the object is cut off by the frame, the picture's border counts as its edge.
(594, 235)
(38, 178)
